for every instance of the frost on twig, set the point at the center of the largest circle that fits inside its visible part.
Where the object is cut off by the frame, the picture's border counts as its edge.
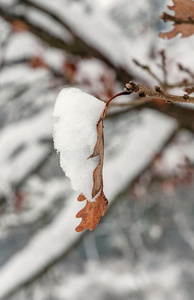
(78, 136)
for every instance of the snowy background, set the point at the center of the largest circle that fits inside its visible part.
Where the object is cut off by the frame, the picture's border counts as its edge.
(143, 249)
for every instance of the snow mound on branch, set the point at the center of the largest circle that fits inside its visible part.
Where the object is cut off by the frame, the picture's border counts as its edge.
(74, 131)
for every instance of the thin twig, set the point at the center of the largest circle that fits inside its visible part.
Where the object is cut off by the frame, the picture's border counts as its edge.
(149, 71)
(184, 69)
(77, 45)
(3, 46)
(166, 17)
(165, 82)
(183, 83)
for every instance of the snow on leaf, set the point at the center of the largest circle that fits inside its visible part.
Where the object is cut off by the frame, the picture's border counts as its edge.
(78, 132)
(184, 23)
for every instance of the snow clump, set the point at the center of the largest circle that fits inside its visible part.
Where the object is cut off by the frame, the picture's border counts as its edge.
(75, 118)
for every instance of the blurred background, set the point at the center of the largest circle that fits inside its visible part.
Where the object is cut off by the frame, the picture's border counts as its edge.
(143, 248)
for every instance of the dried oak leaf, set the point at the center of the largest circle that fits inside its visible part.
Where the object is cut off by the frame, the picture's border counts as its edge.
(183, 19)
(37, 62)
(92, 212)
(70, 69)
(19, 26)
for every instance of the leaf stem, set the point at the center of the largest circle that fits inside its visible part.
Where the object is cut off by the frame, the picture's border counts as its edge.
(117, 95)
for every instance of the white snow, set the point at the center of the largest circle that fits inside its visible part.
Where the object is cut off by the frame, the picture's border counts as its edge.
(75, 117)
(133, 149)
(173, 160)
(42, 20)
(128, 283)
(14, 49)
(40, 250)
(21, 149)
(40, 199)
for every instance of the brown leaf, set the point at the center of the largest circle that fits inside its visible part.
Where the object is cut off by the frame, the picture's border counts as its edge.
(98, 150)
(183, 19)
(93, 211)
(37, 62)
(19, 200)
(70, 69)
(19, 26)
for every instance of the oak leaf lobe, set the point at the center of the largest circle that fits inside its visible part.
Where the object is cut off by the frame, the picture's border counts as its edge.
(183, 19)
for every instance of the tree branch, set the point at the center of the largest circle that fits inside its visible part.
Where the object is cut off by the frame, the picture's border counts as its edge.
(186, 70)
(149, 71)
(164, 84)
(77, 46)
(143, 92)
(184, 116)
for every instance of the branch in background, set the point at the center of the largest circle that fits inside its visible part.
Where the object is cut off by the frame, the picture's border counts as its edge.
(184, 69)
(184, 116)
(3, 47)
(164, 84)
(154, 175)
(147, 68)
(45, 36)
(163, 66)
(183, 83)
(34, 62)
(77, 46)
(143, 92)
